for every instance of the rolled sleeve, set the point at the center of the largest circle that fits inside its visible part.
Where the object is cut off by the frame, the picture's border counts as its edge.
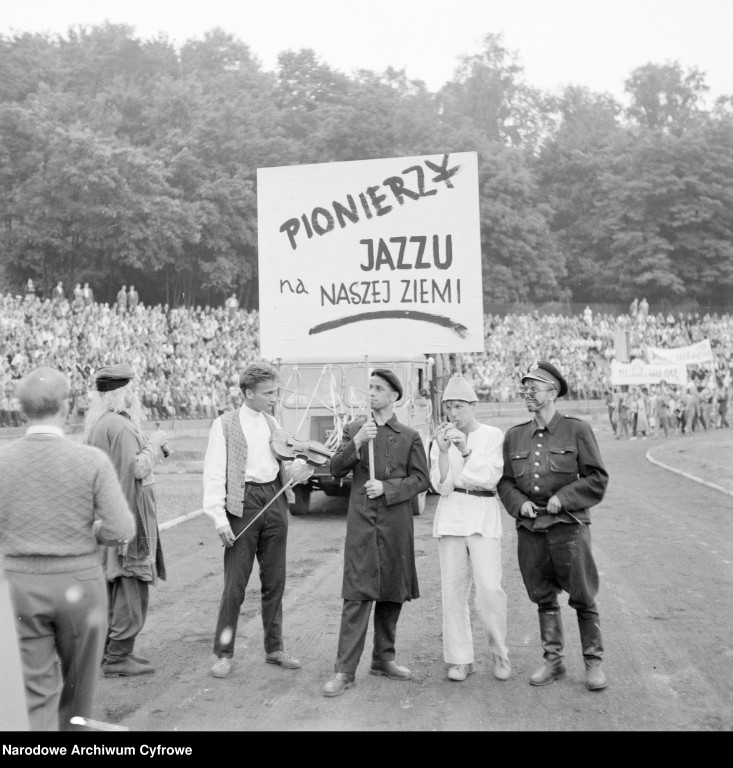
(447, 485)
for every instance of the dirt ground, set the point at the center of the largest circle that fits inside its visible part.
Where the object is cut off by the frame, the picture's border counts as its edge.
(707, 455)
(664, 548)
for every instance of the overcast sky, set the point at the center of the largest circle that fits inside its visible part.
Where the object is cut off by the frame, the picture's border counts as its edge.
(589, 42)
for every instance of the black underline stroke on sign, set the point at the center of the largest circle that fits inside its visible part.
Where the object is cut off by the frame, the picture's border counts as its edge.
(390, 314)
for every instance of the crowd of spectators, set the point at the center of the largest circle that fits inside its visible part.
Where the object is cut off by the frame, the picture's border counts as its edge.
(188, 359)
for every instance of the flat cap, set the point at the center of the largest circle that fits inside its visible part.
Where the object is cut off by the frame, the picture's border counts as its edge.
(390, 378)
(458, 388)
(541, 370)
(112, 377)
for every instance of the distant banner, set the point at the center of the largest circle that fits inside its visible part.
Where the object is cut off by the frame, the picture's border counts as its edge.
(690, 355)
(638, 372)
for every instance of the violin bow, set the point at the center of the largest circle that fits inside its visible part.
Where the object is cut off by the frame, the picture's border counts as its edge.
(287, 485)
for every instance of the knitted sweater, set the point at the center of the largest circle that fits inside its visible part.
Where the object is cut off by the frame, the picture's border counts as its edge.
(58, 501)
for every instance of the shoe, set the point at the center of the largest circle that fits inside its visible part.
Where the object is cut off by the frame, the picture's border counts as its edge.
(128, 667)
(459, 672)
(548, 673)
(139, 659)
(338, 684)
(282, 659)
(502, 668)
(595, 679)
(390, 669)
(222, 668)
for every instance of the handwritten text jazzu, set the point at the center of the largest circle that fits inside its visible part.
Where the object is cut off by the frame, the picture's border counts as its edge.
(373, 201)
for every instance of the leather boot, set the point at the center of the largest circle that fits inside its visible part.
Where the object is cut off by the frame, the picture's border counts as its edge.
(590, 639)
(552, 644)
(126, 667)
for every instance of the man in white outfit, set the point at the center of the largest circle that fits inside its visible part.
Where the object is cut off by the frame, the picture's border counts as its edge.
(466, 463)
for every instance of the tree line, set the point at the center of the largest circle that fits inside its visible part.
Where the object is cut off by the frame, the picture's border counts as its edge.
(128, 160)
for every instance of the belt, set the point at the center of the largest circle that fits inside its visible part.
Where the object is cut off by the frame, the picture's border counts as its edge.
(474, 493)
(252, 482)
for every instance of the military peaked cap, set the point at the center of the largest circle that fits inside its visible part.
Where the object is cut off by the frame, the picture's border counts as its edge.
(541, 370)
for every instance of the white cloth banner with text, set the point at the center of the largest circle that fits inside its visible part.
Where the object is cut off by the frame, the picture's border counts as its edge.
(638, 372)
(701, 352)
(370, 257)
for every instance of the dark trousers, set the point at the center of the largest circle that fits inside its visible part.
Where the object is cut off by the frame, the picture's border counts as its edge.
(557, 559)
(126, 614)
(354, 626)
(59, 615)
(266, 540)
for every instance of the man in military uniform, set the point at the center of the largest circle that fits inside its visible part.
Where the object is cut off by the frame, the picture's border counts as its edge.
(553, 473)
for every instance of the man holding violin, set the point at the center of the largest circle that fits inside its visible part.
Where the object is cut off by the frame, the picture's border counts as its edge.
(379, 552)
(243, 476)
(553, 473)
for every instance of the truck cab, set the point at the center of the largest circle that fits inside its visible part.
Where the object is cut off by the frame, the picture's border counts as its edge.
(316, 400)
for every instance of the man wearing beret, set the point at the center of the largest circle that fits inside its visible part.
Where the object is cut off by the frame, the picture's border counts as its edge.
(379, 552)
(113, 423)
(465, 466)
(553, 473)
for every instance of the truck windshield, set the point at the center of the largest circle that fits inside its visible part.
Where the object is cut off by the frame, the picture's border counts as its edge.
(318, 385)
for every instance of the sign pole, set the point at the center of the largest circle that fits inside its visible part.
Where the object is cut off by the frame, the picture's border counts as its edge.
(369, 418)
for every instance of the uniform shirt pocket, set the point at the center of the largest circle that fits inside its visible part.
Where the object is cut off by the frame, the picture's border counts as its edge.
(564, 460)
(520, 462)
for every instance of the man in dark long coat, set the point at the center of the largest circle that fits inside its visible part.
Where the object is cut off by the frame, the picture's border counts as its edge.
(379, 553)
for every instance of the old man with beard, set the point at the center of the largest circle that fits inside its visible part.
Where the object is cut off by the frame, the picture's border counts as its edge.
(113, 423)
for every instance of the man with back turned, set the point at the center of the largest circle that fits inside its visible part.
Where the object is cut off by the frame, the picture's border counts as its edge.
(58, 501)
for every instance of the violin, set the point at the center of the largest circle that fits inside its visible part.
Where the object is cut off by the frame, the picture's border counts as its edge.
(286, 447)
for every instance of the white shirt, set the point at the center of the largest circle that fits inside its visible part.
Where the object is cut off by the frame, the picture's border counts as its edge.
(459, 514)
(262, 466)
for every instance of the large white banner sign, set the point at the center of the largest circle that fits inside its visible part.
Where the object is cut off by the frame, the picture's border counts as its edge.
(638, 372)
(370, 257)
(692, 354)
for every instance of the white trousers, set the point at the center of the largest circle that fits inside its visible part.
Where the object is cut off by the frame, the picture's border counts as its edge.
(467, 561)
